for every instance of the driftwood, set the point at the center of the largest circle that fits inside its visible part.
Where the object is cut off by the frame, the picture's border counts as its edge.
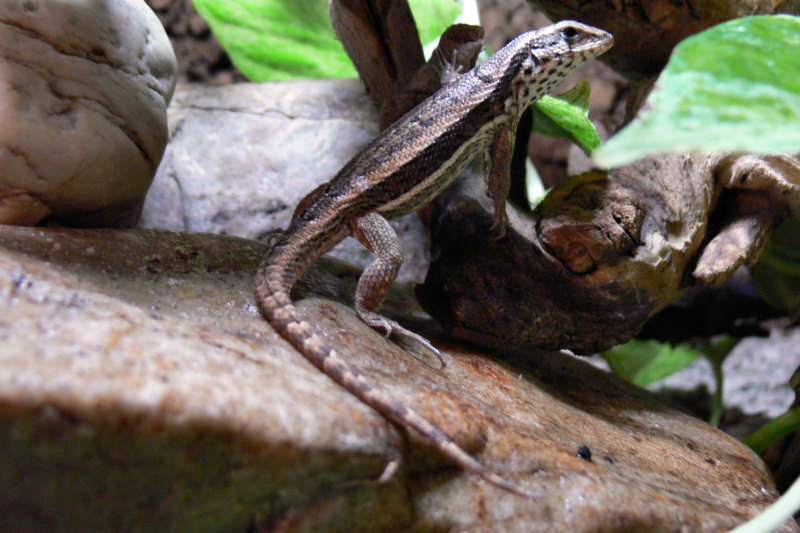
(603, 252)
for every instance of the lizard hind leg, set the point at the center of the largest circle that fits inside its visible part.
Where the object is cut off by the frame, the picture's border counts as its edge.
(375, 232)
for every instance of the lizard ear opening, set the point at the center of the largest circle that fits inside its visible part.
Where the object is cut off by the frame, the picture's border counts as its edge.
(532, 64)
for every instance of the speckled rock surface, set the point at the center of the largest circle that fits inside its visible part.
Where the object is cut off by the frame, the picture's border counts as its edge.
(84, 86)
(140, 389)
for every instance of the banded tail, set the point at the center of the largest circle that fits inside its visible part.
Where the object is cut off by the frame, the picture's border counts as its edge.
(378, 181)
(273, 285)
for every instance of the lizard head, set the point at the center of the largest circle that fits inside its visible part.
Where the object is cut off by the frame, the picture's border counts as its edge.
(536, 61)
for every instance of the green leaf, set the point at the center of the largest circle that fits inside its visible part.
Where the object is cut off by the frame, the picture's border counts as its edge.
(732, 87)
(646, 361)
(777, 273)
(432, 18)
(773, 430)
(716, 348)
(288, 39)
(534, 187)
(567, 115)
(277, 39)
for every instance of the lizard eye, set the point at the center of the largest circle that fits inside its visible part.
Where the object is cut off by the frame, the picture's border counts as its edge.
(570, 34)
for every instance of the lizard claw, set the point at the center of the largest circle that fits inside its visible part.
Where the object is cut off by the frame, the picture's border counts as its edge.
(389, 470)
(399, 330)
(271, 238)
(498, 227)
(395, 453)
(499, 230)
(384, 324)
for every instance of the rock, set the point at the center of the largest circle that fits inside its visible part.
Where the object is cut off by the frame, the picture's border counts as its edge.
(140, 389)
(240, 157)
(85, 85)
(756, 374)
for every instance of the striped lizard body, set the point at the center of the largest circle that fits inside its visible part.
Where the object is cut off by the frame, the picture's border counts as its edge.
(406, 166)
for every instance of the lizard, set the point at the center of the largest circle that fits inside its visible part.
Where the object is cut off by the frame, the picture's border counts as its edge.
(402, 169)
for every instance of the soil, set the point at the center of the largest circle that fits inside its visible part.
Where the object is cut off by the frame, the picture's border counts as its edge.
(200, 56)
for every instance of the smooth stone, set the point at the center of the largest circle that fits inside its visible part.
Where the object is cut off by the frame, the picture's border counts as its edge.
(85, 86)
(240, 157)
(141, 389)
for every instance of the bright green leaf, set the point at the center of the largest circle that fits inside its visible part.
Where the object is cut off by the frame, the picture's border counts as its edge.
(567, 115)
(432, 18)
(277, 39)
(287, 39)
(773, 430)
(732, 87)
(534, 187)
(646, 361)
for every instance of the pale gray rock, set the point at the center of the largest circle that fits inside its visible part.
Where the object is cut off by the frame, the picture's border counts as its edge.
(756, 374)
(84, 86)
(141, 390)
(240, 157)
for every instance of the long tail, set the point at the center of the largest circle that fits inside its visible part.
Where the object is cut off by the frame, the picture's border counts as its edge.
(273, 284)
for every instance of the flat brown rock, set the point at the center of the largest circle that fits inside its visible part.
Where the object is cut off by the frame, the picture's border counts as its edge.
(141, 389)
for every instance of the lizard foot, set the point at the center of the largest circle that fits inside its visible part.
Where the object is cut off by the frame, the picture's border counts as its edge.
(271, 238)
(395, 453)
(498, 229)
(389, 471)
(390, 327)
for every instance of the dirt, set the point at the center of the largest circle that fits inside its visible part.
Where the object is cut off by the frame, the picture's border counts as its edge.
(200, 56)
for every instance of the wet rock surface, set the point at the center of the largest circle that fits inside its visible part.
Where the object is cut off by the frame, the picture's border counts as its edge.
(140, 387)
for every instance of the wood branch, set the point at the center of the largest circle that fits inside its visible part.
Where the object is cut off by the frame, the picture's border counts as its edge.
(382, 41)
(457, 51)
(603, 252)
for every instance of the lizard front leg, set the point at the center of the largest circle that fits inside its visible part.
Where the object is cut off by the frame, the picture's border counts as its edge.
(375, 232)
(501, 151)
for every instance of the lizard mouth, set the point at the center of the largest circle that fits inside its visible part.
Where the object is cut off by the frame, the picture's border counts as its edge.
(605, 44)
